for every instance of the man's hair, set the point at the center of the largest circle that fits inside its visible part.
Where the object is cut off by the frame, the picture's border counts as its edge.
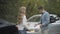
(40, 7)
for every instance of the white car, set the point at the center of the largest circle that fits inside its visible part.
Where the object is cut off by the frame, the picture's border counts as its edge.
(35, 19)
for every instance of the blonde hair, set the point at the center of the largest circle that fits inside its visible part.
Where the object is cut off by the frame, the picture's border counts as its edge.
(22, 8)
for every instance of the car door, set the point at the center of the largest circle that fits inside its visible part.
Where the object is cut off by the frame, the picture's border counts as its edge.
(54, 27)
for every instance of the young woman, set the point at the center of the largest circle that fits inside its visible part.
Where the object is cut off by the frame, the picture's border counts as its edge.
(23, 11)
(22, 21)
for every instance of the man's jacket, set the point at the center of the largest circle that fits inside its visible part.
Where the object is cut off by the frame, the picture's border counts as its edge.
(45, 19)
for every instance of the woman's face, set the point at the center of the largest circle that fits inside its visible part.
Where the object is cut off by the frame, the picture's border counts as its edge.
(23, 9)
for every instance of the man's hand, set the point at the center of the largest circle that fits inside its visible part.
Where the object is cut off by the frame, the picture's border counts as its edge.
(40, 25)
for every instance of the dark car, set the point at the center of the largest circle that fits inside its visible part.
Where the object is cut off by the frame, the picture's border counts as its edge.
(7, 28)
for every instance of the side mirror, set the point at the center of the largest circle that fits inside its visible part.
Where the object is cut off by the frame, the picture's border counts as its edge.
(52, 19)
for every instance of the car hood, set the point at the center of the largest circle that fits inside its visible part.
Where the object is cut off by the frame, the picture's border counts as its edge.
(58, 21)
(4, 23)
(31, 25)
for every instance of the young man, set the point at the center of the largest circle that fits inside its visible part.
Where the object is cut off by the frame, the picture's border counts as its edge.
(45, 19)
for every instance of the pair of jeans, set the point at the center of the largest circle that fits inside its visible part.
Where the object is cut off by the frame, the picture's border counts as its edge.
(22, 32)
(44, 28)
(42, 31)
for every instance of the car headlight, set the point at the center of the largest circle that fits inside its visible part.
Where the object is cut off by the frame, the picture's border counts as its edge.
(36, 30)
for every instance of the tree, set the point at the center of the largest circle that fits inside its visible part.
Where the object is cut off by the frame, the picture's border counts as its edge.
(54, 7)
(8, 10)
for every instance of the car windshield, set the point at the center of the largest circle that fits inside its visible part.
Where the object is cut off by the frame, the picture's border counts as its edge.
(34, 19)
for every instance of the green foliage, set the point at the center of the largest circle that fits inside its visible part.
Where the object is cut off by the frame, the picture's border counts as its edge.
(33, 5)
(54, 6)
(8, 10)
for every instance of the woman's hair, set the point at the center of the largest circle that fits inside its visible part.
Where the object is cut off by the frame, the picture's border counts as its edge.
(20, 14)
(22, 9)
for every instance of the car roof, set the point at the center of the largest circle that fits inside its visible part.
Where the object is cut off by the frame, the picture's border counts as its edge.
(41, 14)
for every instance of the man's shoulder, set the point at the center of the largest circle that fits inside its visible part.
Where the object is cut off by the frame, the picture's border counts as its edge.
(46, 12)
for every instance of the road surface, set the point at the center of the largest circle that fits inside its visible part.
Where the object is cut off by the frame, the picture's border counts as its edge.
(45, 32)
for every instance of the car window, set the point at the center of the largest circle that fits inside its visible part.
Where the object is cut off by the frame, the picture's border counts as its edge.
(34, 19)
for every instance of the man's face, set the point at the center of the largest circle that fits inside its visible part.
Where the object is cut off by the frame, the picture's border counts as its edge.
(40, 11)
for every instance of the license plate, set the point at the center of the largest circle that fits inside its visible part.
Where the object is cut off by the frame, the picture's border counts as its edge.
(32, 30)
